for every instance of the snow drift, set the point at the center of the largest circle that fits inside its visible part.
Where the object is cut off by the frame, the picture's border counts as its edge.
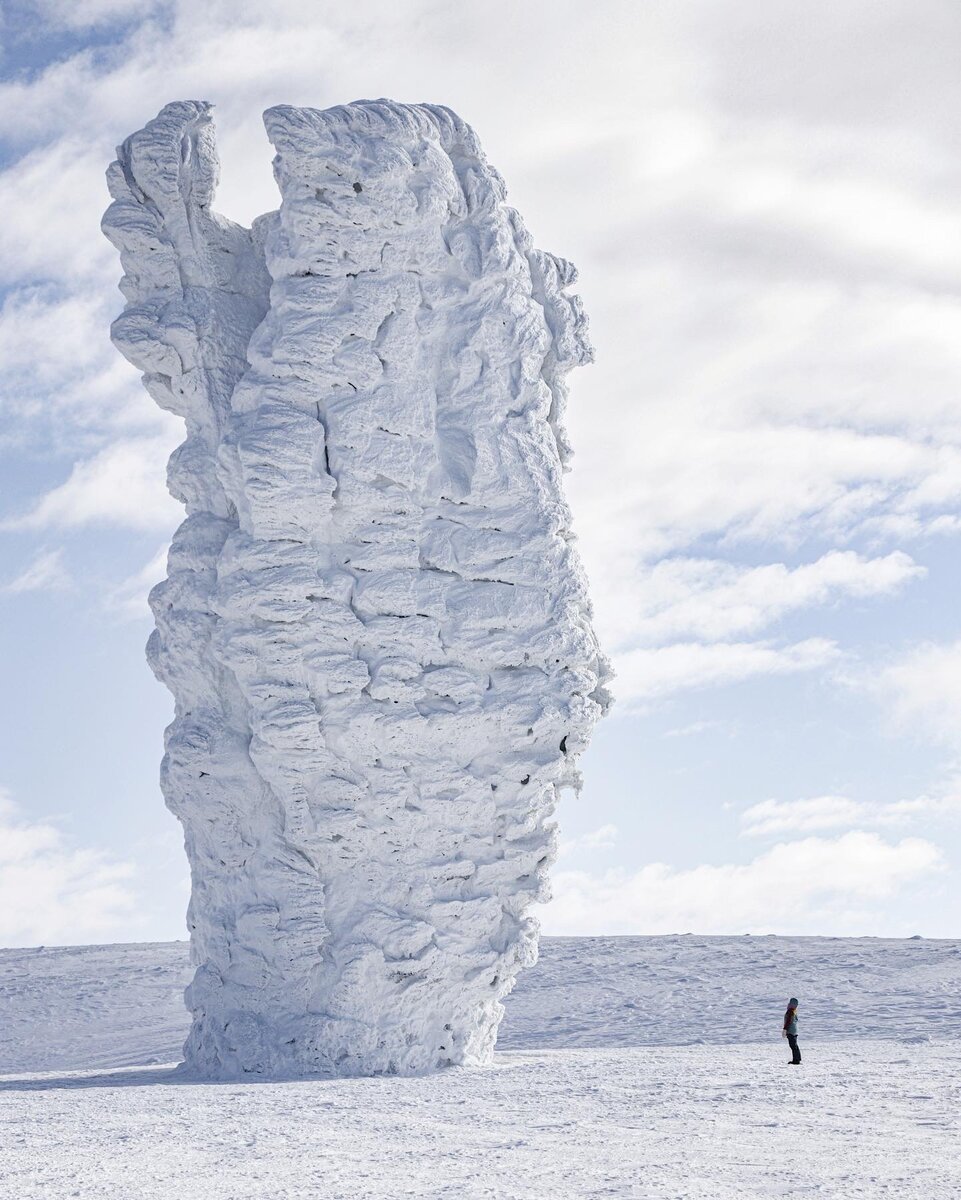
(374, 623)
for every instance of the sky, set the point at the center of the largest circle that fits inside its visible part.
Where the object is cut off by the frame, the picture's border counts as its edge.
(763, 201)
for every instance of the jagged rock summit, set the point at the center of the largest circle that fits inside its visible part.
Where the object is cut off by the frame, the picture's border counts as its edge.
(374, 624)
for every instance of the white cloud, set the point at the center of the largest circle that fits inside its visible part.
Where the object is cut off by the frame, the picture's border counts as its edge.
(52, 200)
(647, 674)
(922, 690)
(52, 892)
(943, 804)
(130, 597)
(711, 599)
(771, 818)
(673, 476)
(694, 728)
(86, 14)
(877, 218)
(815, 885)
(45, 573)
(62, 382)
(605, 837)
(123, 485)
(802, 816)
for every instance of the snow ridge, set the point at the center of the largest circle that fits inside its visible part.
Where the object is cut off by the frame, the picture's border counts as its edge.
(375, 625)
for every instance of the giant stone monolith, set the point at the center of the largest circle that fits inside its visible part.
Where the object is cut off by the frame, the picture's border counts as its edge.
(374, 624)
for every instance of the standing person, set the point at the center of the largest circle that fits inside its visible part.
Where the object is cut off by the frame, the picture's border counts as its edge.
(790, 1031)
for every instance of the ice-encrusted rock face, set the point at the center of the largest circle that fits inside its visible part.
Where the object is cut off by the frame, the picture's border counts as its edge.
(374, 625)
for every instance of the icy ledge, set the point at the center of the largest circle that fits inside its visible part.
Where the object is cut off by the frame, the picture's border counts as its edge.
(374, 624)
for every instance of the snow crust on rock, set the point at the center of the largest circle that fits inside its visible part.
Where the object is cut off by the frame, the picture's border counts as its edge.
(374, 625)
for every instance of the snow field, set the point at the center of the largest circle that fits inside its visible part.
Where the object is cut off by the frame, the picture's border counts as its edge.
(593, 1093)
(859, 1119)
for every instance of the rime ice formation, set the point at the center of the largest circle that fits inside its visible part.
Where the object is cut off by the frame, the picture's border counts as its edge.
(374, 624)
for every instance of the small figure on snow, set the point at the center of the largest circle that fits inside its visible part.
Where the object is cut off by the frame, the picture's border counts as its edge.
(790, 1031)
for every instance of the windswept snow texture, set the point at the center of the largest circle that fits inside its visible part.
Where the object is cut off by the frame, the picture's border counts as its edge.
(374, 626)
(600, 1093)
(71, 1008)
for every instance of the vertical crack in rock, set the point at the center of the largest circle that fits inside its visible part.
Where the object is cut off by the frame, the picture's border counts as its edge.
(375, 626)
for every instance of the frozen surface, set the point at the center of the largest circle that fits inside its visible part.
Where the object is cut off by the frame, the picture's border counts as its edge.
(860, 1119)
(374, 625)
(873, 1111)
(106, 1006)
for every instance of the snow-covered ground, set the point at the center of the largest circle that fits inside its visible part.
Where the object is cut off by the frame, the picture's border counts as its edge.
(640, 1067)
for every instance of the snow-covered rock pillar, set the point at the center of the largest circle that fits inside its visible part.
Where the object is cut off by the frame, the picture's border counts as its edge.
(374, 625)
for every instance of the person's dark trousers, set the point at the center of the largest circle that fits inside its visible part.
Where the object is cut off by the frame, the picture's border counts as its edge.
(792, 1042)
